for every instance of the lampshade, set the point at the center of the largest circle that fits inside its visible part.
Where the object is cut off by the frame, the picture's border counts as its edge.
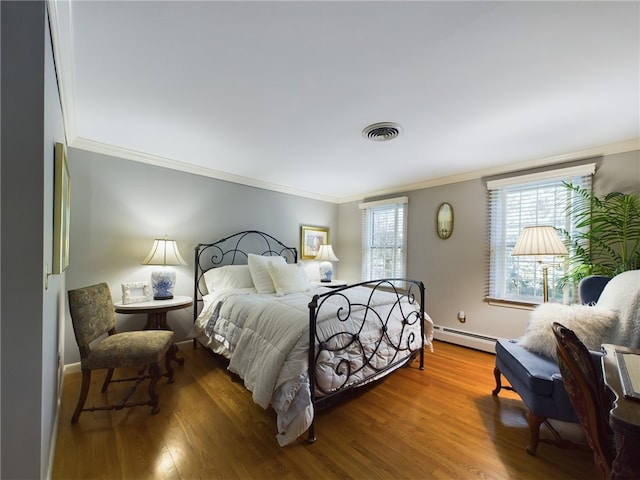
(164, 252)
(539, 240)
(163, 281)
(325, 254)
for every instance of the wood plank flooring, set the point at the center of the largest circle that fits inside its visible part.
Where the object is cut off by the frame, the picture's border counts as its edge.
(440, 423)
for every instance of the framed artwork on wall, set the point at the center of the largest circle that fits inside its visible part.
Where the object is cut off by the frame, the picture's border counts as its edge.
(61, 210)
(310, 240)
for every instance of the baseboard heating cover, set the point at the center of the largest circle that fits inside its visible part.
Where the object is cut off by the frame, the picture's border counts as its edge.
(464, 338)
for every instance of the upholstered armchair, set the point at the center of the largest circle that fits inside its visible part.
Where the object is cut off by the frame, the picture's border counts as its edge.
(93, 315)
(529, 363)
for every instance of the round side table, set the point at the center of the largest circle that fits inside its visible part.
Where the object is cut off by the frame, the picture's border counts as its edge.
(156, 311)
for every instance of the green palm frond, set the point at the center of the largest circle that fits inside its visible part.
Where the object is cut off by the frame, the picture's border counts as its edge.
(607, 239)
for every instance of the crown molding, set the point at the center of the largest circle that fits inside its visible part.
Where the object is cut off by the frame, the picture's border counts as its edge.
(158, 161)
(136, 156)
(609, 149)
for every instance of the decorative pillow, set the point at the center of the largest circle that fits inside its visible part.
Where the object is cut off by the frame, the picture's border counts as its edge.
(289, 278)
(590, 325)
(259, 268)
(229, 276)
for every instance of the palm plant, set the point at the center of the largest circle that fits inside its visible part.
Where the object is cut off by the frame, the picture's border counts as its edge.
(606, 239)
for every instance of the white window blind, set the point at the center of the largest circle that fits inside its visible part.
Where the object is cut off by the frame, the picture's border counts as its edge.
(384, 238)
(528, 200)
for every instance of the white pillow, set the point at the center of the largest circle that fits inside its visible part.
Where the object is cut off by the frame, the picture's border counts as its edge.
(288, 278)
(259, 268)
(229, 276)
(590, 324)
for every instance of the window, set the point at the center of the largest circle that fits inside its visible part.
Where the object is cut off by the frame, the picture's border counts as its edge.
(518, 202)
(384, 238)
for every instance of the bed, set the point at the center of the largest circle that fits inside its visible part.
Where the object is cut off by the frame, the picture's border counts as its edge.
(298, 345)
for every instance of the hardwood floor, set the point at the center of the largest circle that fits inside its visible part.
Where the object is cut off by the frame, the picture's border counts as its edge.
(440, 423)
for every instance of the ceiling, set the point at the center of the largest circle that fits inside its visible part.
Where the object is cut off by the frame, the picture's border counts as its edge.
(276, 94)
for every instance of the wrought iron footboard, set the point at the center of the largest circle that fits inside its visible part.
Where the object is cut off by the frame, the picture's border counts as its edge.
(406, 346)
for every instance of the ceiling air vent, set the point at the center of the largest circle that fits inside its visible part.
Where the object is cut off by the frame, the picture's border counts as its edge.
(382, 132)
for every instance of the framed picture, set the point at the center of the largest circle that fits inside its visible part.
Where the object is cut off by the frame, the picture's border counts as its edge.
(61, 210)
(135, 292)
(310, 240)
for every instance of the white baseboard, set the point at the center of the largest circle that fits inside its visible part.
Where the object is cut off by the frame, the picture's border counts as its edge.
(465, 338)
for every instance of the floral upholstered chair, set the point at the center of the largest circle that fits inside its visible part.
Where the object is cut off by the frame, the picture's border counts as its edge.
(93, 315)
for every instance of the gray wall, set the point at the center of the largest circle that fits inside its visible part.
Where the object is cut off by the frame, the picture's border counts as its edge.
(118, 207)
(455, 270)
(31, 124)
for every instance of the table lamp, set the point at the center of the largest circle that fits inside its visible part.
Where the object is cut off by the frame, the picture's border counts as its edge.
(541, 240)
(164, 252)
(326, 256)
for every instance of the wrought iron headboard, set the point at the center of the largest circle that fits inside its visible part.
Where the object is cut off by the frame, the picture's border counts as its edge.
(235, 250)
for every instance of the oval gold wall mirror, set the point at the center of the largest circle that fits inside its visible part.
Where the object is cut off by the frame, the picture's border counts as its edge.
(444, 220)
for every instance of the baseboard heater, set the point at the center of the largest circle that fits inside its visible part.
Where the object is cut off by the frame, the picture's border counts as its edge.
(464, 338)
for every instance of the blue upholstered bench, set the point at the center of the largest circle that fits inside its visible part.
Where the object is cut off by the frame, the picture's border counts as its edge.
(538, 381)
(537, 378)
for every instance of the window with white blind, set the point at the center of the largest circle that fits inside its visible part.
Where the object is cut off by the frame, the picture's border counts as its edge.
(528, 200)
(384, 238)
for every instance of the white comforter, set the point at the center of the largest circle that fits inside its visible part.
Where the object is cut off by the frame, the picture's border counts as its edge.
(265, 338)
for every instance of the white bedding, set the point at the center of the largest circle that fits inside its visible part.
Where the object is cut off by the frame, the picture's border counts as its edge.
(265, 337)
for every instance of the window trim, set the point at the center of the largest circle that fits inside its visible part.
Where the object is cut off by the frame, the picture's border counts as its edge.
(366, 207)
(583, 170)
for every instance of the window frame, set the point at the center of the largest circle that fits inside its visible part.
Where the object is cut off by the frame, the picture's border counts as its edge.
(501, 242)
(395, 247)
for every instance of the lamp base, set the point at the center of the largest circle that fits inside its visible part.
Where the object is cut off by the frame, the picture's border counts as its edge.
(163, 282)
(326, 271)
(163, 298)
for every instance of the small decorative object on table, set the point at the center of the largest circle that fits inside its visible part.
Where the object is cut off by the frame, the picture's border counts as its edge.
(163, 252)
(135, 292)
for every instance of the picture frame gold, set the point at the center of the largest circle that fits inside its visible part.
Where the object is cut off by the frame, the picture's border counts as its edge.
(310, 240)
(136, 292)
(61, 209)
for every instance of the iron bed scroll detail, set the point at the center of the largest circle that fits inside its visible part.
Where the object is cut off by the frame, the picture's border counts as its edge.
(234, 250)
(406, 343)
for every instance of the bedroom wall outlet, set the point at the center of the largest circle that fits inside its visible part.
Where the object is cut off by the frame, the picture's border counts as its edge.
(462, 316)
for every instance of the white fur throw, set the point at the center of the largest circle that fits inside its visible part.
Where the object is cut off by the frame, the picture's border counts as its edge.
(622, 293)
(590, 324)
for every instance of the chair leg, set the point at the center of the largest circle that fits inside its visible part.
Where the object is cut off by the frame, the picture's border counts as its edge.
(84, 391)
(154, 374)
(496, 373)
(107, 380)
(534, 422)
(168, 358)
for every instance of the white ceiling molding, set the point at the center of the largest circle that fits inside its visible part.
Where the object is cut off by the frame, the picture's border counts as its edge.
(611, 149)
(127, 154)
(113, 151)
